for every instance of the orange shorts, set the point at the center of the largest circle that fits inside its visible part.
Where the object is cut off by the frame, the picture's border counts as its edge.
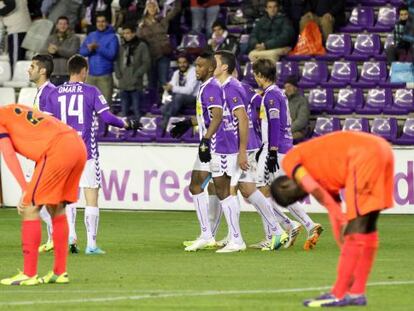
(370, 182)
(57, 173)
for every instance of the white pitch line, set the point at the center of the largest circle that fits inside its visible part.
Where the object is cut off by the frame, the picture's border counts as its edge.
(191, 294)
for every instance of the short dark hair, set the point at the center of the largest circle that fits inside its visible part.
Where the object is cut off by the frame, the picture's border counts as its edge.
(219, 23)
(101, 14)
(227, 58)
(44, 61)
(283, 195)
(404, 7)
(76, 63)
(208, 56)
(131, 27)
(63, 17)
(276, 1)
(266, 68)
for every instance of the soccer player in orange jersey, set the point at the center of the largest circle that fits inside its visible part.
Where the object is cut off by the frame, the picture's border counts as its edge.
(363, 166)
(48, 142)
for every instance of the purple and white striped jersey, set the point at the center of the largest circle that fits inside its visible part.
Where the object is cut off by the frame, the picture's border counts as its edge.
(276, 121)
(253, 102)
(42, 95)
(78, 105)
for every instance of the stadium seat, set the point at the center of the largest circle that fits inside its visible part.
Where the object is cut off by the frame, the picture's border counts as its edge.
(337, 46)
(407, 137)
(193, 42)
(361, 18)
(385, 127)
(348, 100)
(112, 134)
(372, 74)
(27, 96)
(356, 124)
(20, 75)
(285, 69)
(146, 134)
(7, 96)
(342, 74)
(164, 136)
(313, 74)
(248, 76)
(403, 102)
(326, 125)
(366, 46)
(373, 2)
(5, 71)
(191, 136)
(376, 101)
(321, 100)
(387, 17)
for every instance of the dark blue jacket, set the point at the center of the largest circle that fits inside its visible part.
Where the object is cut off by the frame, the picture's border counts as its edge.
(101, 61)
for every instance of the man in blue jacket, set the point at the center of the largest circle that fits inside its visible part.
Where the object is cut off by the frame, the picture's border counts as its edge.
(101, 48)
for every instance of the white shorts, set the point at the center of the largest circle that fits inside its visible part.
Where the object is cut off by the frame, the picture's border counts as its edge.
(264, 177)
(201, 166)
(249, 176)
(91, 175)
(224, 164)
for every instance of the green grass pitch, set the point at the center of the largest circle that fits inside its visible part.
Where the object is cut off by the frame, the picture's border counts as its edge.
(145, 268)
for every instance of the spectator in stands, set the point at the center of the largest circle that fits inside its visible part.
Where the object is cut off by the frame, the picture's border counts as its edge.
(183, 87)
(204, 13)
(400, 51)
(253, 9)
(16, 18)
(93, 9)
(153, 29)
(327, 14)
(299, 109)
(131, 11)
(294, 11)
(101, 48)
(34, 8)
(134, 61)
(222, 40)
(61, 44)
(272, 36)
(53, 9)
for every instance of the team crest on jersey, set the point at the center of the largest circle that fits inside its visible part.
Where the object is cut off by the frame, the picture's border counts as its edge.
(271, 102)
(235, 99)
(211, 99)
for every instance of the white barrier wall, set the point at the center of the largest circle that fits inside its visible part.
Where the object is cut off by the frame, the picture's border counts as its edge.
(156, 177)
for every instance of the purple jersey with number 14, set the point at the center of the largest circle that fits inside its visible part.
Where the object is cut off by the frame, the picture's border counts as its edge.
(78, 105)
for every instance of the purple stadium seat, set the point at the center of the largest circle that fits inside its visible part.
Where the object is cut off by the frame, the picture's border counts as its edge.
(191, 136)
(407, 137)
(342, 74)
(248, 76)
(313, 74)
(337, 46)
(373, 2)
(146, 134)
(385, 127)
(113, 134)
(325, 126)
(376, 101)
(321, 100)
(356, 124)
(403, 102)
(397, 2)
(387, 17)
(164, 136)
(366, 46)
(372, 74)
(389, 41)
(361, 18)
(348, 100)
(285, 69)
(193, 43)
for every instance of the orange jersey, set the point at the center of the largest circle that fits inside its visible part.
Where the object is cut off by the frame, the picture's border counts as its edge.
(30, 131)
(362, 164)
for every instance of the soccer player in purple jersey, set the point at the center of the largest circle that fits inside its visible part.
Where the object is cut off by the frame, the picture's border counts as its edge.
(277, 140)
(78, 104)
(209, 113)
(39, 72)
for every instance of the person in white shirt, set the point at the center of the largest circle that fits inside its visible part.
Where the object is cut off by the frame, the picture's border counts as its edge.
(183, 88)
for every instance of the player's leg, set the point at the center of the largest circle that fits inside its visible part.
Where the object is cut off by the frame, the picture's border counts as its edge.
(200, 199)
(45, 216)
(92, 221)
(214, 209)
(71, 217)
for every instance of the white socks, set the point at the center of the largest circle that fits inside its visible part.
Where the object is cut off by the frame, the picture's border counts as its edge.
(299, 213)
(71, 216)
(231, 209)
(45, 216)
(281, 217)
(214, 213)
(264, 208)
(201, 207)
(91, 224)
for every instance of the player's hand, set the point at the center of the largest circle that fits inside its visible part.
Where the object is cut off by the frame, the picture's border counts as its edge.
(132, 123)
(272, 163)
(243, 162)
(204, 152)
(180, 127)
(258, 153)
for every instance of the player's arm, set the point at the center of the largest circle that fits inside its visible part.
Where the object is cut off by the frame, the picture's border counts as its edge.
(241, 115)
(272, 106)
(311, 186)
(9, 155)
